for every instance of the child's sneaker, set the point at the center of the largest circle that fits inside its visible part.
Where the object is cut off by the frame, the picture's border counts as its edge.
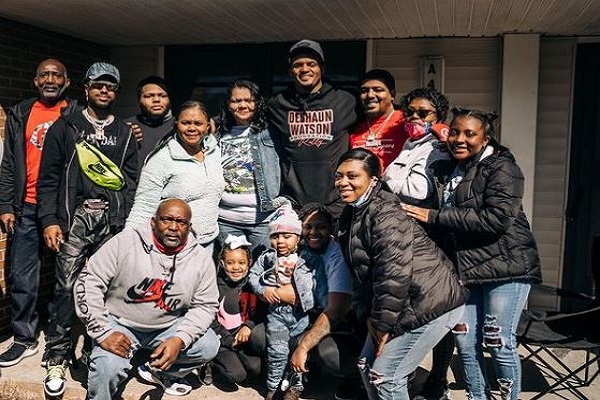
(292, 394)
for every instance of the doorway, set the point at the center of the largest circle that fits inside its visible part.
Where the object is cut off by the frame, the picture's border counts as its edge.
(582, 242)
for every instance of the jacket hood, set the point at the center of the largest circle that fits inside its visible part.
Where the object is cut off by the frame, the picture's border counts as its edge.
(293, 97)
(145, 235)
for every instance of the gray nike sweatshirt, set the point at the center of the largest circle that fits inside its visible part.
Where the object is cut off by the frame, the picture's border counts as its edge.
(130, 280)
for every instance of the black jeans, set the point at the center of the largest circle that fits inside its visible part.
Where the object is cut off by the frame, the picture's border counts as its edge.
(24, 278)
(90, 229)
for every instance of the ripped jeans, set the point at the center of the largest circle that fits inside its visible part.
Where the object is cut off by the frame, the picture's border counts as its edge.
(491, 318)
(386, 377)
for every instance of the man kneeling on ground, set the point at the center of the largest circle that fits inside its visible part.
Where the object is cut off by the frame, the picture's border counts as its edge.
(149, 288)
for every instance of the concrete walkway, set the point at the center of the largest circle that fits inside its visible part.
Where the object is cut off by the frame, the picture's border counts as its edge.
(23, 381)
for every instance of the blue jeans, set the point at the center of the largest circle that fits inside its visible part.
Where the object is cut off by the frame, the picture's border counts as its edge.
(491, 318)
(24, 278)
(257, 234)
(283, 322)
(107, 370)
(386, 376)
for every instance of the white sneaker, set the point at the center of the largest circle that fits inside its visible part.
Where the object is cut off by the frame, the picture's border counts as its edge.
(55, 382)
(171, 386)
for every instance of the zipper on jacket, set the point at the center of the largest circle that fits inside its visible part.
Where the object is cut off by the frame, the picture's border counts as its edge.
(67, 190)
(350, 249)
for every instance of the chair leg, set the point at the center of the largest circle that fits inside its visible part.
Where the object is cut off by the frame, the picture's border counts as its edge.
(566, 381)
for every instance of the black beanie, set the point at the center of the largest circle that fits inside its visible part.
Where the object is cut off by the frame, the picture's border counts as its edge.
(154, 80)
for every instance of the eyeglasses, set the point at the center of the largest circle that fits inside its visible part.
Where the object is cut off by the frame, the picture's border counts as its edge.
(421, 112)
(98, 85)
(180, 222)
(47, 74)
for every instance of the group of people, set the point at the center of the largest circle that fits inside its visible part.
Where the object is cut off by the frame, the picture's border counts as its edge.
(313, 228)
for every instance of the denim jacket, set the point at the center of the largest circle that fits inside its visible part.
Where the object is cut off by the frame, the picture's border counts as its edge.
(267, 172)
(302, 278)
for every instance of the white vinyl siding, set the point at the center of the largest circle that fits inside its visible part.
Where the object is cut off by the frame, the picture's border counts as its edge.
(472, 67)
(552, 159)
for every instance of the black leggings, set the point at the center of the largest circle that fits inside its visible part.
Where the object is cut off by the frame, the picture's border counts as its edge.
(238, 364)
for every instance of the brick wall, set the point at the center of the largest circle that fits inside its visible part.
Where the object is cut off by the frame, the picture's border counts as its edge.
(22, 48)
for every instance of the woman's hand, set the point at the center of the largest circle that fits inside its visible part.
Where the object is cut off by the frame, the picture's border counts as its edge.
(378, 337)
(418, 213)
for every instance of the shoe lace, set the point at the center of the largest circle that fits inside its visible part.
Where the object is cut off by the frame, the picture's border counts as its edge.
(56, 372)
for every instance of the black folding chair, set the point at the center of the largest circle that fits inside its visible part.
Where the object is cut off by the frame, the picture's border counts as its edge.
(540, 332)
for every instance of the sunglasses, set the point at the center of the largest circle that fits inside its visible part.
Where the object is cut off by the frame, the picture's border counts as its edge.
(421, 112)
(98, 85)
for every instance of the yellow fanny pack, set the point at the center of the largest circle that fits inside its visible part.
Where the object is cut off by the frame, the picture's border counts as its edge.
(99, 168)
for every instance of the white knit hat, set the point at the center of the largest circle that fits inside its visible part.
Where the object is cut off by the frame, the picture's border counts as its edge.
(285, 220)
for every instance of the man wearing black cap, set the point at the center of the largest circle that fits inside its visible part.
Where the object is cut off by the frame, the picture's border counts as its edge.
(312, 119)
(382, 130)
(85, 191)
(26, 127)
(155, 119)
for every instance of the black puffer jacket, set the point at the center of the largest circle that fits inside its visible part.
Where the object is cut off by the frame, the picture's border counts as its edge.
(492, 238)
(402, 279)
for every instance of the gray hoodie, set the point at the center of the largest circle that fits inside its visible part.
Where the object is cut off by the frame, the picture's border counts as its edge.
(130, 280)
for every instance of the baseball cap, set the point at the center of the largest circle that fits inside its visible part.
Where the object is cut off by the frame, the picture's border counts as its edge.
(307, 47)
(101, 69)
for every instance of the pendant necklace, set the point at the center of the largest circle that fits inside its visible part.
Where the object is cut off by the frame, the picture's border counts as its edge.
(98, 124)
(372, 137)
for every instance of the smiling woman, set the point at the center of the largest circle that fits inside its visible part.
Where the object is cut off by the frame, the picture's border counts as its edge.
(406, 291)
(187, 165)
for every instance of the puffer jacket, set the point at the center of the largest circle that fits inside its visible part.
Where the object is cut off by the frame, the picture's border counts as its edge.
(402, 279)
(492, 238)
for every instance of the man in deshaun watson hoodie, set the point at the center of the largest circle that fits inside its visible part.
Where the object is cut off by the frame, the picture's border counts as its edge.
(311, 119)
(150, 288)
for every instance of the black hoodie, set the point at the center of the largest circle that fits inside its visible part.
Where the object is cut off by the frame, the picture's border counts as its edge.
(313, 133)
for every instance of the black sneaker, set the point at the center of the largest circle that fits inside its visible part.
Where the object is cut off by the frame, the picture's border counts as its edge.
(351, 389)
(16, 352)
(205, 374)
(55, 381)
(433, 391)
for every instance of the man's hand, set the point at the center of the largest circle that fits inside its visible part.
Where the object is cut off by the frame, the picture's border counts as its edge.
(298, 359)
(137, 132)
(270, 295)
(166, 353)
(53, 237)
(8, 222)
(242, 336)
(117, 343)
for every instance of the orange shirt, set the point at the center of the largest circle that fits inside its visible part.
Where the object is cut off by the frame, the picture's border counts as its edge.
(40, 119)
(384, 136)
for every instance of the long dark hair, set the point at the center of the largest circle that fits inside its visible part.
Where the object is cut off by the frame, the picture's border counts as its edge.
(259, 121)
(372, 165)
